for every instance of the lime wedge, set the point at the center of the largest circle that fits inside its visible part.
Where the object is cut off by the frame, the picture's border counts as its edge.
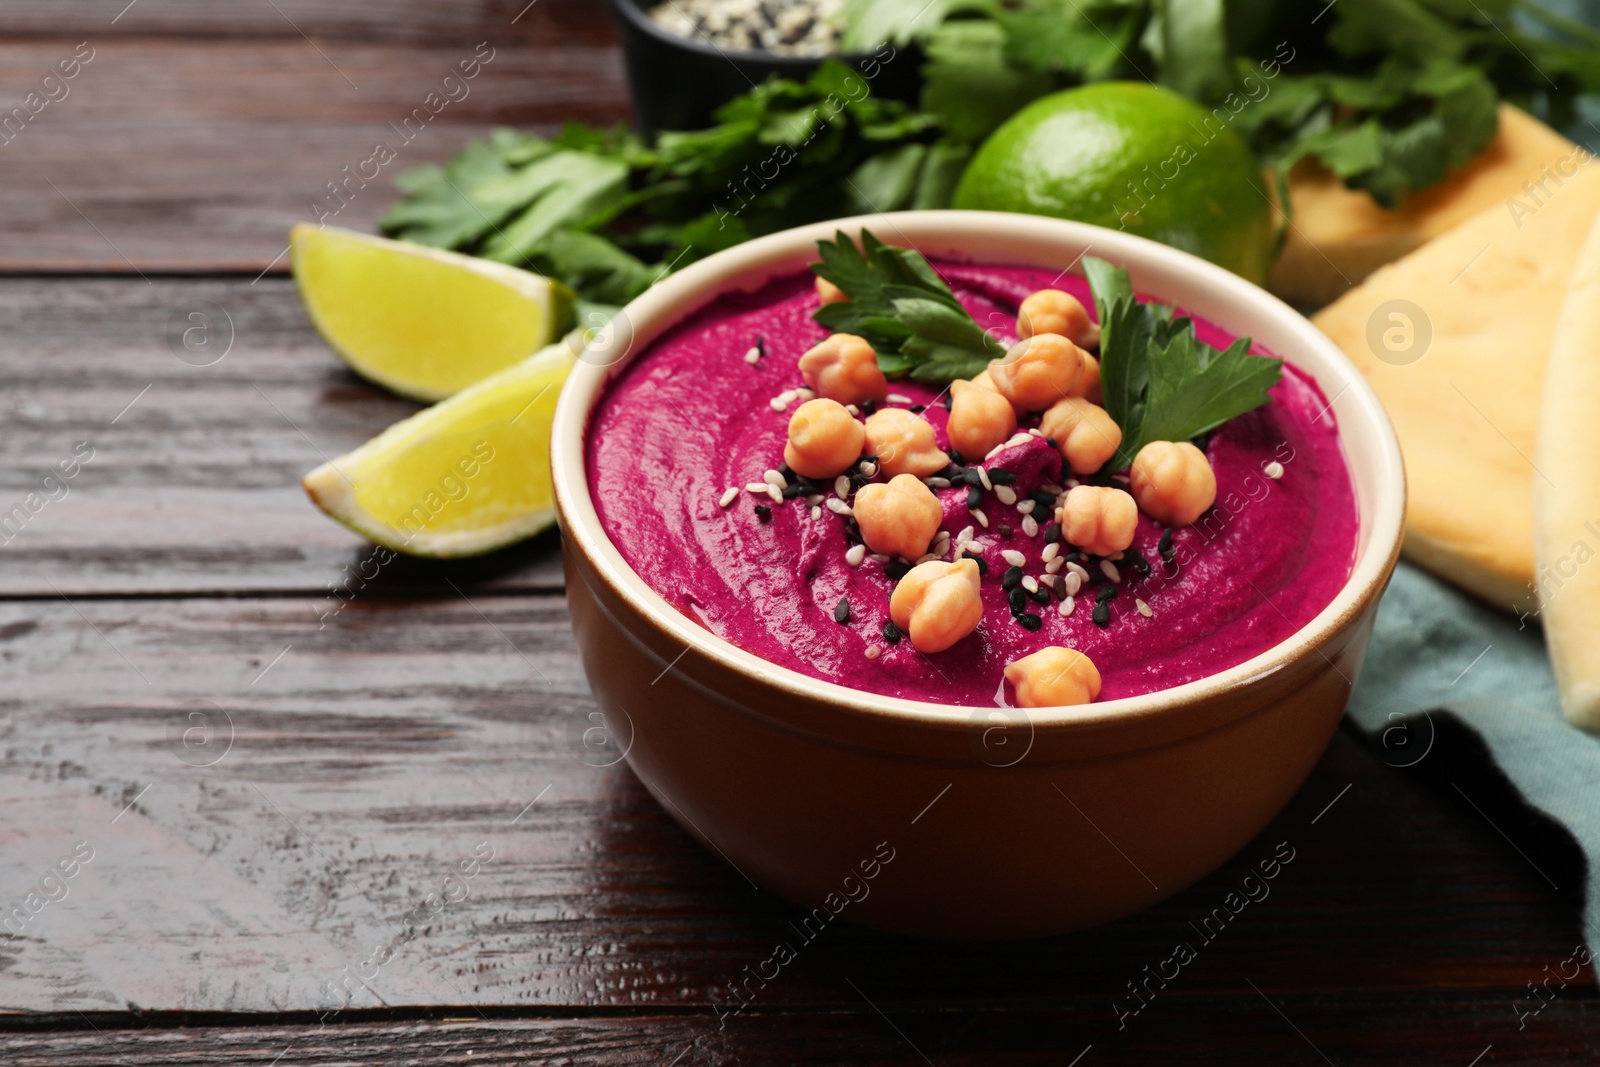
(469, 475)
(422, 321)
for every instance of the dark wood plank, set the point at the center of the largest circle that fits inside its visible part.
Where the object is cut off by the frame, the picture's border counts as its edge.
(195, 487)
(199, 155)
(371, 755)
(407, 21)
(1206, 1030)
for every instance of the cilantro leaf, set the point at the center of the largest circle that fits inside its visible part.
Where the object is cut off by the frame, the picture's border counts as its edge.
(1159, 381)
(903, 309)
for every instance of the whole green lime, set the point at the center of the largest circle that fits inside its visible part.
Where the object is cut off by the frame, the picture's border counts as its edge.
(1132, 157)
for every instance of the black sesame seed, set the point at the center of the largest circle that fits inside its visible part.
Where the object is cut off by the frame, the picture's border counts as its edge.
(917, 409)
(1028, 622)
(795, 489)
(1164, 546)
(983, 568)
(1018, 599)
(946, 400)
(1051, 441)
(1140, 564)
(1102, 615)
(896, 570)
(764, 513)
(891, 633)
(974, 498)
(1107, 592)
(868, 407)
(841, 611)
(787, 472)
(1043, 500)
(761, 346)
(852, 529)
(972, 477)
(1012, 578)
(1052, 534)
(1001, 476)
(1005, 531)
(1041, 594)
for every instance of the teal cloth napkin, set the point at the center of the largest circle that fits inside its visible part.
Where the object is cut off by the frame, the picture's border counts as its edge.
(1437, 651)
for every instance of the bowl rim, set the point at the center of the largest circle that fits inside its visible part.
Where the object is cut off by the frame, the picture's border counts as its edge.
(633, 11)
(749, 265)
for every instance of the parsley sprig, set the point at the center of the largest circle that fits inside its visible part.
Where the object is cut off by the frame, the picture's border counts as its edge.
(1159, 381)
(903, 309)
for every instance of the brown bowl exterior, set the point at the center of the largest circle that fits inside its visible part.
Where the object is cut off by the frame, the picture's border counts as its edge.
(953, 822)
(995, 831)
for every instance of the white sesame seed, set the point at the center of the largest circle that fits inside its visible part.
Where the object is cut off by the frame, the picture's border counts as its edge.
(1030, 583)
(967, 533)
(878, 557)
(1053, 566)
(1006, 494)
(775, 493)
(1121, 479)
(983, 476)
(1117, 555)
(1013, 557)
(814, 499)
(1048, 580)
(839, 507)
(1072, 483)
(896, 398)
(804, 393)
(1035, 432)
(1273, 470)
(996, 450)
(1025, 507)
(1144, 609)
(841, 487)
(1077, 568)
(938, 483)
(856, 555)
(926, 559)
(728, 496)
(867, 468)
(1109, 569)
(753, 356)
(1051, 551)
(1073, 583)
(774, 478)
(756, 487)
(1051, 488)
(1067, 604)
(983, 520)
(1030, 526)
(1018, 438)
(816, 513)
(777, 403)
(852, 409)
(873, 651)
(973, 547)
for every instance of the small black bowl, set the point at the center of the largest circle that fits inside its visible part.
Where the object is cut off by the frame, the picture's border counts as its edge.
(677, 82)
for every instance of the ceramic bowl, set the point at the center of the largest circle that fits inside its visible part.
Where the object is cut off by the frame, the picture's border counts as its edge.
(995, 823)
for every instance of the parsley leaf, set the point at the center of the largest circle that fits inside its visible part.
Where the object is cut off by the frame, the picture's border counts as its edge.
(903, 309)
(1159, 381)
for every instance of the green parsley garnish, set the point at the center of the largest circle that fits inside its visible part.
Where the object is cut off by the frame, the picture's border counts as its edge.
(903, 309)
(1160, 382)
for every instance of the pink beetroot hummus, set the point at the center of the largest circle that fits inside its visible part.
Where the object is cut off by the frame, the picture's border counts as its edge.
(690, 417)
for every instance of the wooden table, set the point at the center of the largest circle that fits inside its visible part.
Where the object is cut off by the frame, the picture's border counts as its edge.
(278, 770)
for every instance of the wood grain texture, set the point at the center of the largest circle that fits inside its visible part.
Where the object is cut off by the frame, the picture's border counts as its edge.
(541, 23)
(195, 487)
(372, 752)
(183, 156)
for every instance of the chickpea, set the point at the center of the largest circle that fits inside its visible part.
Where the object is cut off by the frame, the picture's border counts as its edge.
(937, 603)
(829, 293)
(1085, 435)
(844, 368)
(983, 381)
(1052, 311)
(824, 439)
(1054, 677)
(1089, 385)
(1098, 519)
(1173, 482)
(1035, 373)
(904, 443)
(899, 517)
(980, 419)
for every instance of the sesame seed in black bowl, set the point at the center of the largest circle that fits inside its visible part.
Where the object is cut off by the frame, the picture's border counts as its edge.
(686, 58)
